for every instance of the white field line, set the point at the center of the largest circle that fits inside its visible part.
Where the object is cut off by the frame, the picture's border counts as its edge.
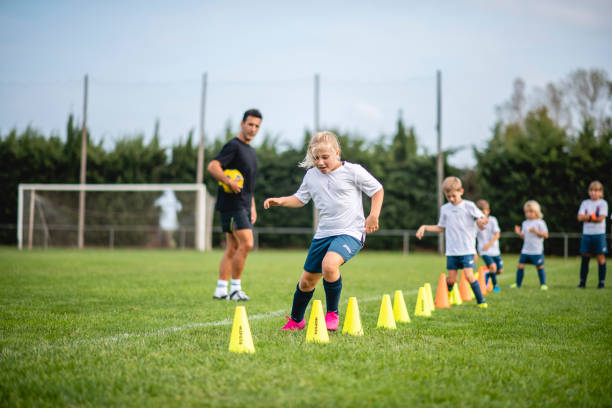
(224, 322)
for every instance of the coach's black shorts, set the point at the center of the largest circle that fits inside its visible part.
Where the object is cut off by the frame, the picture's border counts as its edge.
(236, 220)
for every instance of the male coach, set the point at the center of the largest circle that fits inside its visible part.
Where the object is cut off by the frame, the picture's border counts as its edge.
(237, 208)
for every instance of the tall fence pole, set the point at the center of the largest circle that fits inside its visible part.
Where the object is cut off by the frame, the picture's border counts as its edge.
(201, 194)
(440, 155)
(315, 213)
(81, 233)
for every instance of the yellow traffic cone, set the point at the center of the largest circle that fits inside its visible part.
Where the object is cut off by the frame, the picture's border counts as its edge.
(352, 321)
(385, 317)
(317, 330)
(421, 308)
(455, 296)
(241, 340)
(429, 297)
(400, 313)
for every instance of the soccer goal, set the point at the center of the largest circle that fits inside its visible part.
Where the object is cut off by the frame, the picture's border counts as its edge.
(116, 215)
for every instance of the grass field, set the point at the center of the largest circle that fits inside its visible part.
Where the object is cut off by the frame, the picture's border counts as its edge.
(139, 328)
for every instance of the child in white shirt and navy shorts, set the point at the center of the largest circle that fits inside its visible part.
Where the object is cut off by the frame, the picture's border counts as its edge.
(533, 231)
(593, 213)
(459, 219)
(336, 188)
(488, 245)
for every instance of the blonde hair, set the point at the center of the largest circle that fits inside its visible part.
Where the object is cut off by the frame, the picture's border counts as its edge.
(535, 206)
(483, 205)
(451, 184)
(596, 185)
(317, 143)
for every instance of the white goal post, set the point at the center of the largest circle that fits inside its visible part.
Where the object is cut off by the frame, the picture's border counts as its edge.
(202, 234)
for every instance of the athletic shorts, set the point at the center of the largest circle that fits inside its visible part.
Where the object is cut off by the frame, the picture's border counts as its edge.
(497, 260)
(593, 244)
(344, 245)
(537, 260)
(236, 220)
(455, 262)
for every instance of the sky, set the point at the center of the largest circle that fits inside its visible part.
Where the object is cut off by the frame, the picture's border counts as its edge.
(145, 61)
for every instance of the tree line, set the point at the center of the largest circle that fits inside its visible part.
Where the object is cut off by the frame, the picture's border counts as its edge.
(547, 145)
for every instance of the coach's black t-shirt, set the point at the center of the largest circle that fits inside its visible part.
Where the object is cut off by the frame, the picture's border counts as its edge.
(241, 156)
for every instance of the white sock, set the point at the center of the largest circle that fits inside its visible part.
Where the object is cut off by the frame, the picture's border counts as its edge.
(235, 285)
(221, 288)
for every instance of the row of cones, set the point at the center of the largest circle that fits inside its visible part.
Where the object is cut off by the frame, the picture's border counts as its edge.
(241, 340)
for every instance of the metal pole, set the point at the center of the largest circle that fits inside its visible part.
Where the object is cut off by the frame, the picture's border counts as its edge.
(565, 247)
(440, 155)
(315, 213)
(31, 220)
(200, 198)
(20, 218)
(81, 239)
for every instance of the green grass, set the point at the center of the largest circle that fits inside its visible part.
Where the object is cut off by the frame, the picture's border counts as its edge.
(139, 328)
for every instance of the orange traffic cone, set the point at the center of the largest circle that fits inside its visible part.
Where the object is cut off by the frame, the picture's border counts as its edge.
(464, 288)
(442, 293)
(481, 279)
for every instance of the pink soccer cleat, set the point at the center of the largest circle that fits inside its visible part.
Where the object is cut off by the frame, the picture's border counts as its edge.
(331, 321)
(293, 325)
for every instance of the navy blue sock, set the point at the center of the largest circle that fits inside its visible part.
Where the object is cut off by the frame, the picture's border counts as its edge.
(493, 277)
(476, 289)
(584, 269)
(542, 276)
(520, 274)
(449, 286)
(602, 272)
(300, 301)
(332, 294)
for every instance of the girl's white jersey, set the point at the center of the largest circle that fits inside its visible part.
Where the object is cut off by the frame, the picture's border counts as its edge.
(589, 207)
(533, 244)
(486, 235)
(337, 196)
(459, 227)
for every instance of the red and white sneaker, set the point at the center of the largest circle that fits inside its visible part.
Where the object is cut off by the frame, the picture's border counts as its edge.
(331, 321)
(293, 325)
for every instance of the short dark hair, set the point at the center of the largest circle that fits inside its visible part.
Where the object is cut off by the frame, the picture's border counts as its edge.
(251, 112)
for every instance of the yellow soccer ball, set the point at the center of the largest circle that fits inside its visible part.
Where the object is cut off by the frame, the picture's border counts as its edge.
(232, 174)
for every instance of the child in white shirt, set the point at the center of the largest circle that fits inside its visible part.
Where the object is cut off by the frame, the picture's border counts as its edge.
(336, 188)
(593, 214)
(533, 231)
(457, 222)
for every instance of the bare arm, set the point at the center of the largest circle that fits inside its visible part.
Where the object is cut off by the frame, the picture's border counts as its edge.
(371, 223)
(428, 228)
(215, 169)
(491, 242)
(288, 201)
(253, 211)
(539, 233)
(517, 231)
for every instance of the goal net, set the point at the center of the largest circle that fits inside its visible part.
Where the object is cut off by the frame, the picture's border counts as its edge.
(115, 215)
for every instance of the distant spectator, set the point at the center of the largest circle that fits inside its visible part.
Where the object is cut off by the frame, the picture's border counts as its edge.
(168, 220)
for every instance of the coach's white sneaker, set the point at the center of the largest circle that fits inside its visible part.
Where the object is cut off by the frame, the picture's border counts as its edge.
(220, 294)
(239, 296)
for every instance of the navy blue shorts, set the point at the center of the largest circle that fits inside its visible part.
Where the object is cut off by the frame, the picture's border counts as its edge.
(497, 260)
(537, 260)
(236, 220)
(455, 262)
(344, 245)
(593, 244)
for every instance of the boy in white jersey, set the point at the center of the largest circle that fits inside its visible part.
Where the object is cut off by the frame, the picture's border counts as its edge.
(336, 188)
(457, 222)
(533, 231)
(593, 214)
(488, 244)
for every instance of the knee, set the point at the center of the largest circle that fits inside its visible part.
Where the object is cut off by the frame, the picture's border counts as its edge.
(493, 268)
(521, 266)
(306, 285)
(451, 281)
(246, 246)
